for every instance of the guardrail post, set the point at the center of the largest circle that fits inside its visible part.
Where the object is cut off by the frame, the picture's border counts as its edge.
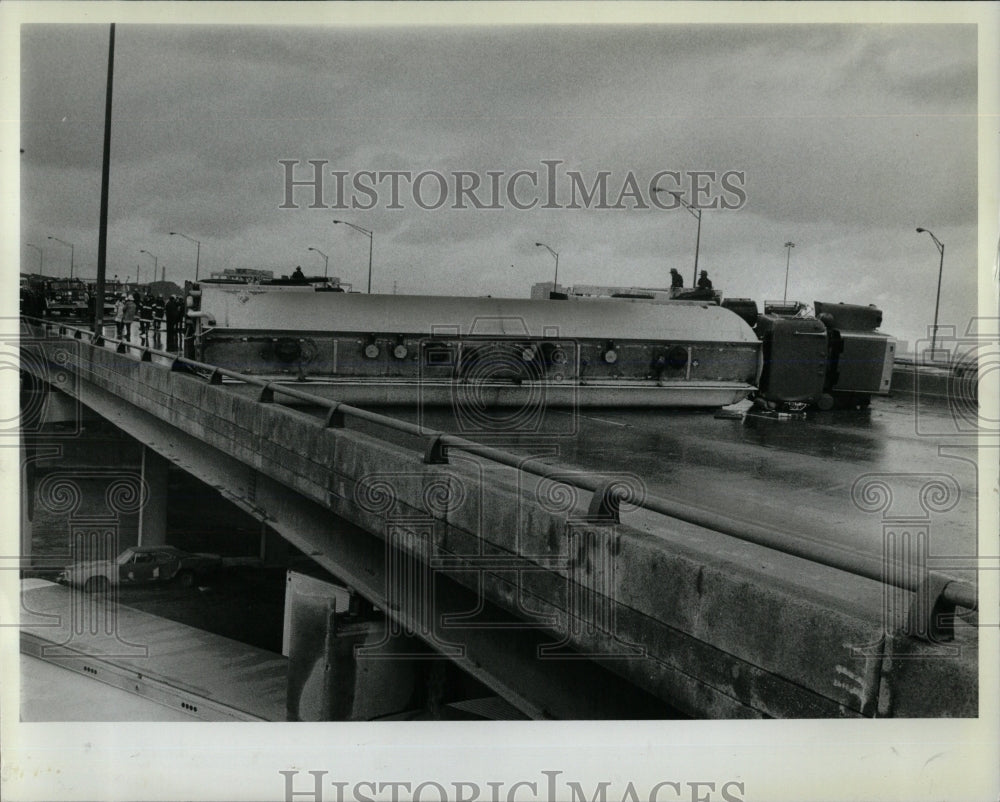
(437, 451)
(121, 348)
(334, 417)
(215, 377)
(931, 616)
(266, 394)
(604, 504)
(145, 356)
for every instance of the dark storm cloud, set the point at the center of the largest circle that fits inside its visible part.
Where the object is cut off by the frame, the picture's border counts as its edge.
(62, 120)
(847, 135)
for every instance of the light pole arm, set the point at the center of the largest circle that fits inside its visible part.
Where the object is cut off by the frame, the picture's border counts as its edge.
(326, 260)
(555, 279)
(72, 251)
(41, 258)
(937, 301)
(364, 231)
(695, 212)
(371, 246)
(197, 253)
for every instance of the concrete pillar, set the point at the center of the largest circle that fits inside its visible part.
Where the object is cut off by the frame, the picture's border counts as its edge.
(153, 515)
(27, 498)
(273, 547)
(329, 679)
(61, 408)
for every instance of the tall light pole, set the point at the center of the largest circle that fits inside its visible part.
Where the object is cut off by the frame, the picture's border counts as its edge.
(102, 231)
(788, 258)
(371, 243)
(696, 213)
(197, 254)
(71, 252)
(326, 260)
(555, 280)
(156, 262)
(937, 302)
(41, 258)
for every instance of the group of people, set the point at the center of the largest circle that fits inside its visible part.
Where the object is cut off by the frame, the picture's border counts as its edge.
(150, 311)
(33, 302)
(676, 281)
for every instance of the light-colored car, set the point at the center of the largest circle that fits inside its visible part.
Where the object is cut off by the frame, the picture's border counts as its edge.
(139, 565)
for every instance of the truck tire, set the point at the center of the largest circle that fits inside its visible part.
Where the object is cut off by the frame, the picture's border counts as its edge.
(96, 584)
(185, 579)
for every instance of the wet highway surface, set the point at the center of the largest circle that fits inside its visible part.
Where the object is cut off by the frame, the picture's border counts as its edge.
(791, 475)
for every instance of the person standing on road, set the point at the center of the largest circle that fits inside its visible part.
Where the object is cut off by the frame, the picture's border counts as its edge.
(119, 313)
(159, 309)
(128, 318)
(145, 317)
(173, 313)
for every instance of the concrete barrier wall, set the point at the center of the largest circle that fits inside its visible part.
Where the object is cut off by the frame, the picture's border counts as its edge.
(715, 626)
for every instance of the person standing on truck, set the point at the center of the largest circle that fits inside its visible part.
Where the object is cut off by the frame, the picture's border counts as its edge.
(704, 282)
(676, 280)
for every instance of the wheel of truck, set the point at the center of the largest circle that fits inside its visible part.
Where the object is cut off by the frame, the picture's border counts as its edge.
(96, 584)
(185, 579)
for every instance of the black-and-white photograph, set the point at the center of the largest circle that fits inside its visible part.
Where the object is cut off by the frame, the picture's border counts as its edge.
(489, 378)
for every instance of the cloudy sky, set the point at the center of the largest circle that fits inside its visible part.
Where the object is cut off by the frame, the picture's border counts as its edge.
(847, 137)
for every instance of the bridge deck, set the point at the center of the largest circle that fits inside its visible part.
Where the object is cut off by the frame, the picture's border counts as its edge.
(796, 476)
(723, 627)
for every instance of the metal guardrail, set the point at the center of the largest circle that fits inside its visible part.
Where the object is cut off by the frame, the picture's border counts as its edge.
(937, 593)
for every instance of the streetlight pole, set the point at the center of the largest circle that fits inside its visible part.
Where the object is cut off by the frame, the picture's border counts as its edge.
(71, 252)
(937, 301)
(371, 244)
(41, 258)
(555, 280)
(197, 254)
(788, 258)
(326, 260)
(696, 213)
(156, 263)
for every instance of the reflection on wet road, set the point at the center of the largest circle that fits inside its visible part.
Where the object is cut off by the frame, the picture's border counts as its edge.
(792, 475)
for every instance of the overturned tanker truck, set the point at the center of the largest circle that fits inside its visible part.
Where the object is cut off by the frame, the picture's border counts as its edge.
(833, 358)
(633, 351)
(396, 349)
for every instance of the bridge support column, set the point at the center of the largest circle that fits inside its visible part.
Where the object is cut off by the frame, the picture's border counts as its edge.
(61, 408)
(153, 515)
(273, 547)
(343, 664)
(27, 498)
